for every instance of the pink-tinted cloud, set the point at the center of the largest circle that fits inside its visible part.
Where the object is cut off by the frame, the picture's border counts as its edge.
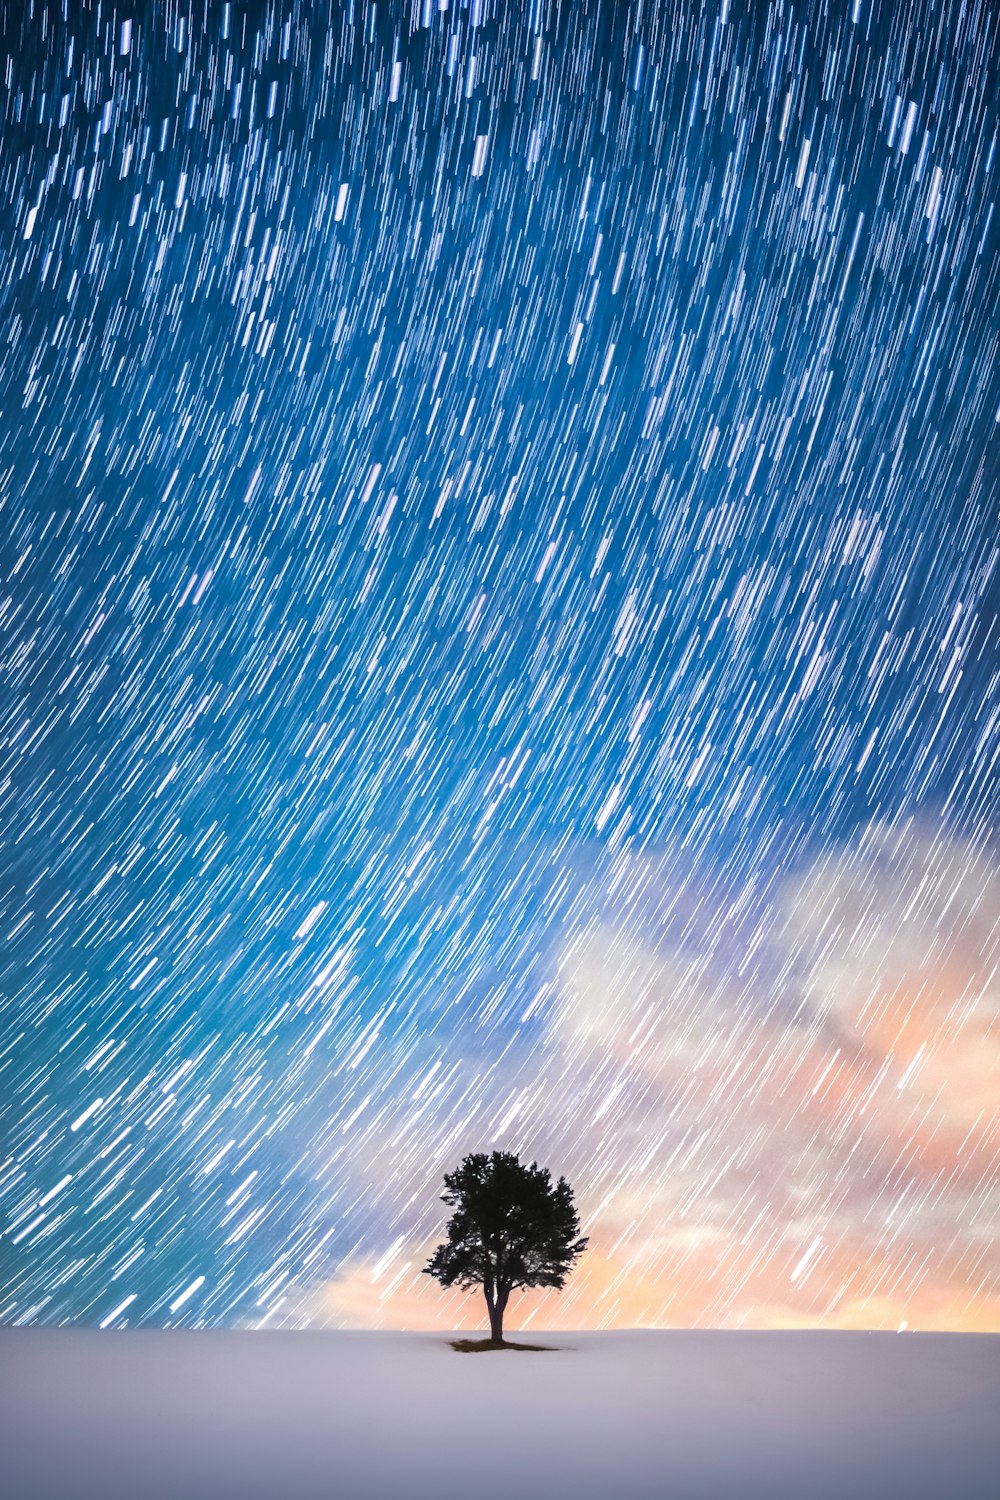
(825, 1154)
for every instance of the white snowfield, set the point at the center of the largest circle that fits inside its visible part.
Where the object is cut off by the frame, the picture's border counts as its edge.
(401, 1416)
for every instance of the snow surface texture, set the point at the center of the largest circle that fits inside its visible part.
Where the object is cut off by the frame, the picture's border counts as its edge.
(400, 1416)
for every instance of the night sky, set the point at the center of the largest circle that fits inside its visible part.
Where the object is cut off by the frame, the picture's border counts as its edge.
(499, 616)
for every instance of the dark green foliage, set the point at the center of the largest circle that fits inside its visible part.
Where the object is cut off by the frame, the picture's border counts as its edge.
(511, 1228)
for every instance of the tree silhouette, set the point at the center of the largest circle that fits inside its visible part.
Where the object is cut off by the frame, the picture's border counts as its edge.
(511, 1228)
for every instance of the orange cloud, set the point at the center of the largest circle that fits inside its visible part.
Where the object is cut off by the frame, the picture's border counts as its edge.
(829, 1162)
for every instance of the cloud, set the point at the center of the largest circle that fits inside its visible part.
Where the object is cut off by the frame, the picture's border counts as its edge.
(820, 1152)
(902, 940)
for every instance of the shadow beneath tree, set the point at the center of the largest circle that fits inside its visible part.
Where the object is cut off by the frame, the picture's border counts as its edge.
(481, 1346)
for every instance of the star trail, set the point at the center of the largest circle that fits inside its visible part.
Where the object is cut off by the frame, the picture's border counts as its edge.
(499, 617)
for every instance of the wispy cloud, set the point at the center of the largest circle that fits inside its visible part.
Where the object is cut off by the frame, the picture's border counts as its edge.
(818, 1147)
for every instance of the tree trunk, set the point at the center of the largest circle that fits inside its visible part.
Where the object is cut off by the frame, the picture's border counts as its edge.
(496, 1323)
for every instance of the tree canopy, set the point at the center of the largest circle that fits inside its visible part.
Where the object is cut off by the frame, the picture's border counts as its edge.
(511, 1228)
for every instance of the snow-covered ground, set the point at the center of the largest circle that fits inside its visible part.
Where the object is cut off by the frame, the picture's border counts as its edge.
(401, 1416)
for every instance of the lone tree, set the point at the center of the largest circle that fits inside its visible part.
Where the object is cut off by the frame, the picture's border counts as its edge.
(511, 1228)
